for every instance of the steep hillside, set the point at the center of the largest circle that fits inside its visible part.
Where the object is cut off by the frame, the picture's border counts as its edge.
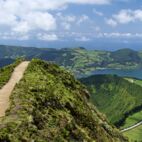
(50, 105)
(6, 72)
(116, 97)
(78, 60)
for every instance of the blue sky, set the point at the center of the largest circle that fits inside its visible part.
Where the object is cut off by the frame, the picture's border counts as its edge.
(96, 24)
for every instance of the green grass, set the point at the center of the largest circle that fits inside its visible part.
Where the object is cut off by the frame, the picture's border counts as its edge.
(5, 73)
(114, 96)
(134, 135)
(49, 104)
(132, 119)
(78, 60)
(136, 81)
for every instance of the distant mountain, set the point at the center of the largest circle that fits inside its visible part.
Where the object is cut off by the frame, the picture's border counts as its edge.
(6, 61)
(78, 60)
(115, 96)
(49, 104)
(125, 55)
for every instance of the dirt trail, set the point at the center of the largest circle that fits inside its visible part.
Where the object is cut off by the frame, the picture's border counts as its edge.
(6, 91)
(132, 127)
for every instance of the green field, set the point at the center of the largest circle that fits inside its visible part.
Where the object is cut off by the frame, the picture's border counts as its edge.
(135, 135)
(133, 119)
(136, 81)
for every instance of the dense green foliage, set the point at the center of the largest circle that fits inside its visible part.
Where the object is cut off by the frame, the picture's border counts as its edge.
(50, 105)
(116, 97)
(79, 60)
(6, 72)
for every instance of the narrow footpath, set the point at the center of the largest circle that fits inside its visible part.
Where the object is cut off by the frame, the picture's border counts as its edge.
(132, 127)
(7, 89)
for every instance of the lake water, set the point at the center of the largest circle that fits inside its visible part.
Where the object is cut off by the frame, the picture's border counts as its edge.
(137, 73)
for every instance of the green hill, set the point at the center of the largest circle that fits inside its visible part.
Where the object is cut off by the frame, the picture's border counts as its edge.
(115, 96)
(49, 104)
(126, 55)
(6, 72)
(5, 62)
(78, 60)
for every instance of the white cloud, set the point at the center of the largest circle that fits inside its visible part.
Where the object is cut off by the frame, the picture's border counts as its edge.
(138, 14)
(82, 19)
(125, 16)
(21, 27)
(66, 20)
(47, 37)
(97, 12)
(41, 20)
(83, 38)
(36, 20)
(111, 22)
(27, 16)
(15, 11)
(99, 2)
(121, 35)
(14, 36)
(66, 25)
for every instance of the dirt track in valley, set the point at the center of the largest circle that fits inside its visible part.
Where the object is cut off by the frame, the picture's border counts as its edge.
(132, 127)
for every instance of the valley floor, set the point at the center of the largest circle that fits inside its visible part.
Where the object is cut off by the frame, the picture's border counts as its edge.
(132, 127)
(135, 135)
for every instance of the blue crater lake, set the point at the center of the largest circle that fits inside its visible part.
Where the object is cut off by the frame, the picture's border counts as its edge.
(137, 73)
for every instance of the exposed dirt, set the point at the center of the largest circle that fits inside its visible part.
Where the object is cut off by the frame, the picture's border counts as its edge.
(7, 89)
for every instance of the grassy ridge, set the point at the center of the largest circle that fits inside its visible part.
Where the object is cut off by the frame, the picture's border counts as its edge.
(5, 73)
(50, 105)
(114, 96)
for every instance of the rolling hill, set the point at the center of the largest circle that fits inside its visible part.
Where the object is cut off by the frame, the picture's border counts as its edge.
(78, 60)
(49, 104)
(6, 61)
(115, 96)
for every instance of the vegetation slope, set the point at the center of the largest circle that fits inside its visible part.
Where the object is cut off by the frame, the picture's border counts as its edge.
(79, 60)
(115, 96)
(5, 72)
(50, 105)
(134, 134)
